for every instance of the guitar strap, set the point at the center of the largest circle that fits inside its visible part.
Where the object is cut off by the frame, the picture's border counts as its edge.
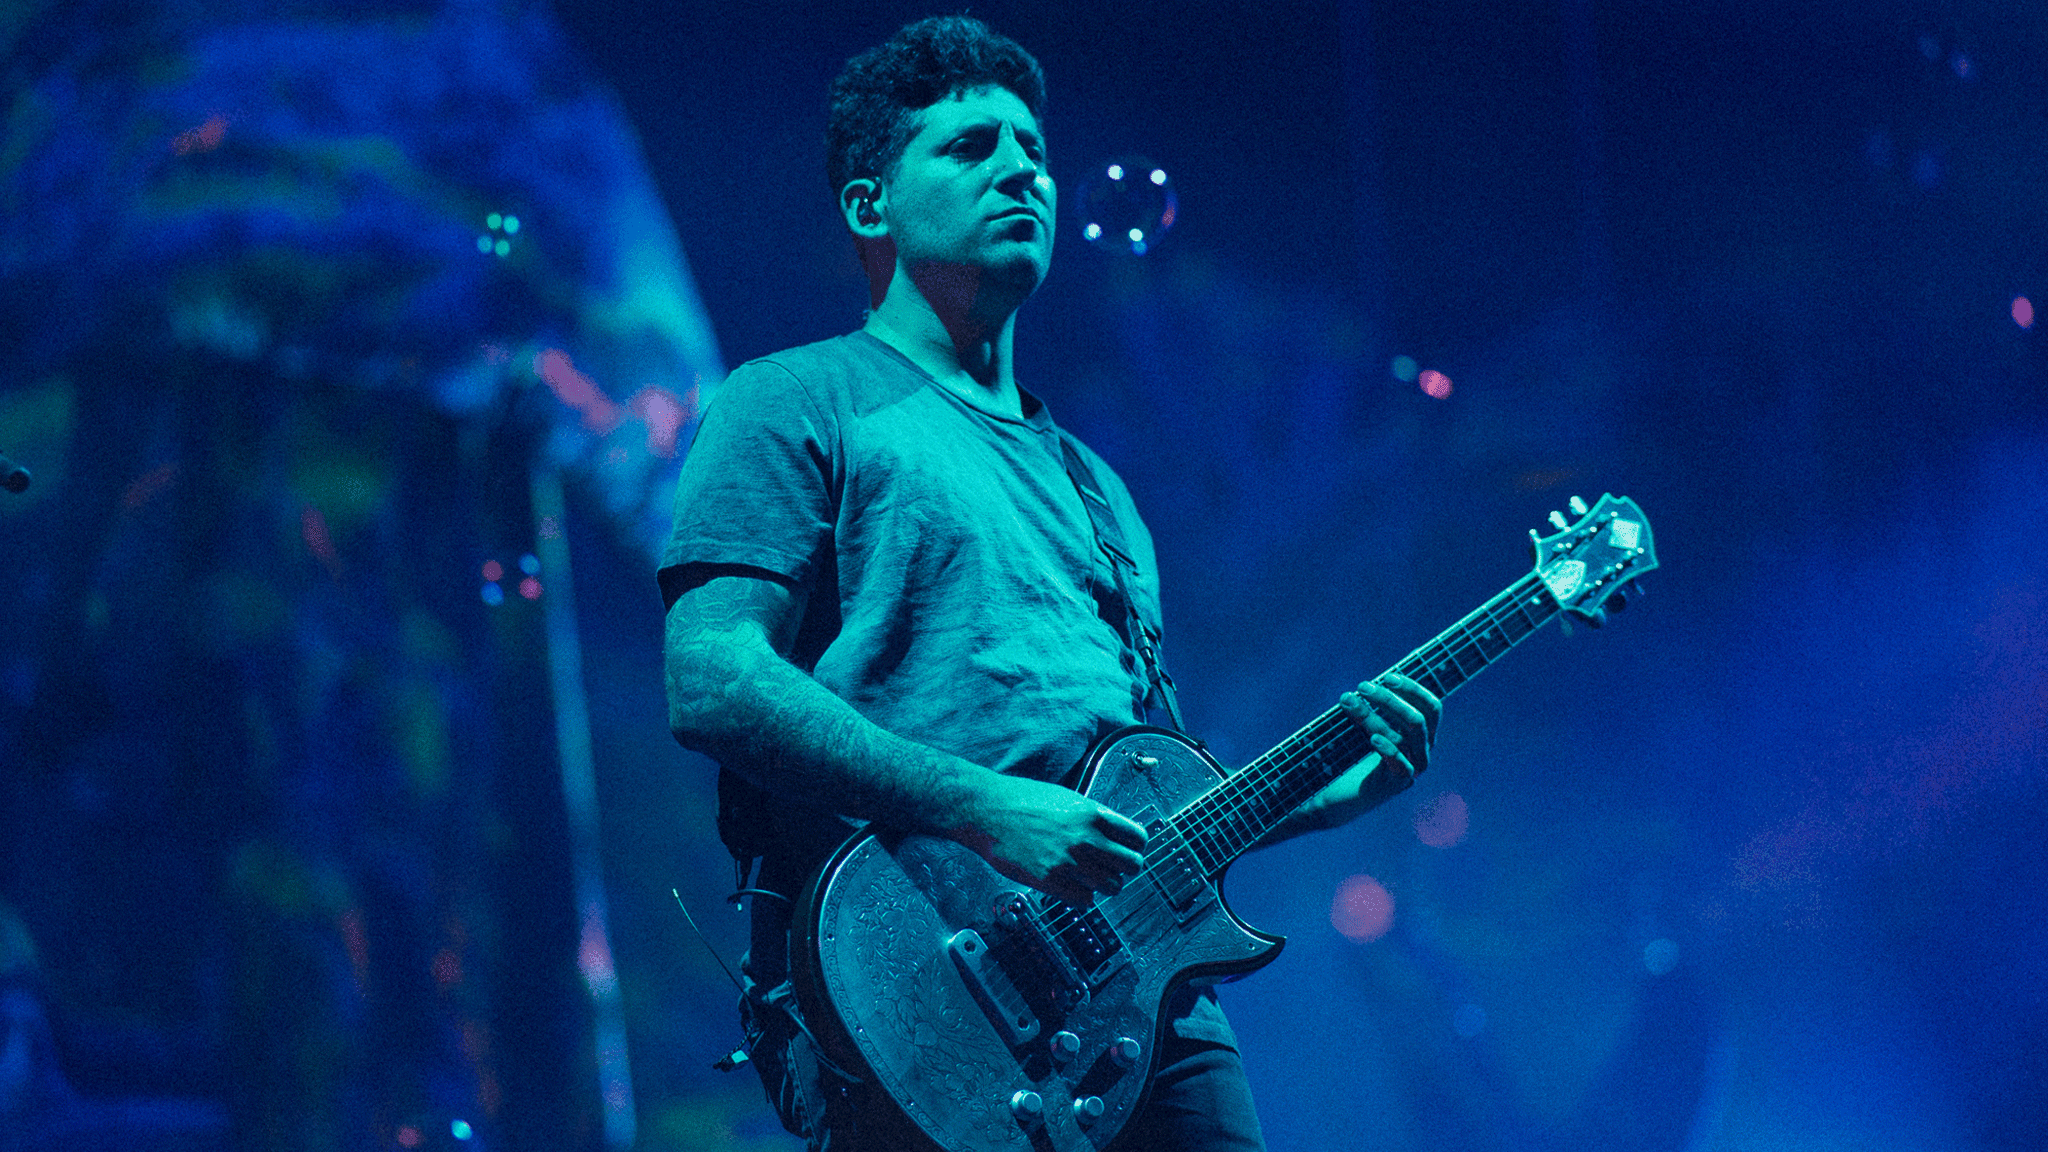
(1109, 536)
(744, 823)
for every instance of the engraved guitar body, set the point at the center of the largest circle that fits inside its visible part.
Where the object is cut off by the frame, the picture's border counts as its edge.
(957, 1026)
(999, 1019)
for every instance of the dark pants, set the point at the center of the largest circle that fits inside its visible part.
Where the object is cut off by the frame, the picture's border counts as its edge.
(1199, 1101)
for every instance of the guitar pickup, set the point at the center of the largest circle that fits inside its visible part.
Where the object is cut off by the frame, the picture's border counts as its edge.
(1173, 869)
(998, 995)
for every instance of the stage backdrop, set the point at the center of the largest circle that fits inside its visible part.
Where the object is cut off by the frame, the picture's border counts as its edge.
(300, 308)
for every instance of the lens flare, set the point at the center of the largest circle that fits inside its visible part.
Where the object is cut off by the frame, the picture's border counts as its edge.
(1127, 204)
(1363, 910)
(1443, 821)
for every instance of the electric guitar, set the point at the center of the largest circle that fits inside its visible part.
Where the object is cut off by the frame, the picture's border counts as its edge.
(999, 1019)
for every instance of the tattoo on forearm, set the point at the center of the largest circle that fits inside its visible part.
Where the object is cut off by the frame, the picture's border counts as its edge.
(735, 696)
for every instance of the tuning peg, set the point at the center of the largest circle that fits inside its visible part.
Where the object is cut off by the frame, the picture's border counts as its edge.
(1596, 618)
(1632, 590)
(1577, 506)
(1557, 520)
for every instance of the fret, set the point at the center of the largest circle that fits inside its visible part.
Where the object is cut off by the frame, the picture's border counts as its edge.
(1447, 673)
(1522, 613)
(1239, 811)
(1452, 655)
(1242, 810)
(1514, 624)
(1492, 632)
(1472, 655)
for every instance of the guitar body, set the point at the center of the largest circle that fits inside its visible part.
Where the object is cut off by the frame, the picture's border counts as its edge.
(999, 1018)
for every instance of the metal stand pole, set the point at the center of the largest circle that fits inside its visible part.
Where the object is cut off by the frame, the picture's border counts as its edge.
(579, 798)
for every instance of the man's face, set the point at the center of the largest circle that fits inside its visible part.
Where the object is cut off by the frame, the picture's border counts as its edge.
(972, 192)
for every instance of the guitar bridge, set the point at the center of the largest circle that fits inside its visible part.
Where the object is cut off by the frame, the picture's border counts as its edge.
(998, 994)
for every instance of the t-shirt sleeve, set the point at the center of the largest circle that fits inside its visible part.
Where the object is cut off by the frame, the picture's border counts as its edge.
(757, 486)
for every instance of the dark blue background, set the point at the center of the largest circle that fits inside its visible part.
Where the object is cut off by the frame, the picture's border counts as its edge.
(1753, 264)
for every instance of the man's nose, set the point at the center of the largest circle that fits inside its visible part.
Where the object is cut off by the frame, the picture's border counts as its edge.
(1015, 167)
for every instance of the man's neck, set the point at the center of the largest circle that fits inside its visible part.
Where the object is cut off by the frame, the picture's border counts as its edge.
(970, 355)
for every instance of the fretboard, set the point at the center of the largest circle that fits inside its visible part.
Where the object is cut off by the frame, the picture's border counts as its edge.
(1238, 812)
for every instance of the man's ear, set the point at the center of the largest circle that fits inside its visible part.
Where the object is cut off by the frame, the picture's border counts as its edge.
(861, 203)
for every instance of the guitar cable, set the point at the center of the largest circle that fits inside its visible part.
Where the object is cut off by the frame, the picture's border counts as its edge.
(743, 1054)
(739, 1055)
(706, 940)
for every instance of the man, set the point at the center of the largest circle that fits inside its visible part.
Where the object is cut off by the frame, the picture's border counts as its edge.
(887, 602)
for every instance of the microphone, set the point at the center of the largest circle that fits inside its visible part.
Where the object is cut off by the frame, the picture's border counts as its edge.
(13, 477)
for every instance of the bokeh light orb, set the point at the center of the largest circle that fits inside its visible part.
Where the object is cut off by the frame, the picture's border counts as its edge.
(1362, 910)
(1127, 204)
(1443, 821)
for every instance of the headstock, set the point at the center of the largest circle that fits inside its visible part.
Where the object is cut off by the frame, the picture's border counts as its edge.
(1591, 564)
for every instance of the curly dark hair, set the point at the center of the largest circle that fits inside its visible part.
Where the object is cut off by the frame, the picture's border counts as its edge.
(876, 99)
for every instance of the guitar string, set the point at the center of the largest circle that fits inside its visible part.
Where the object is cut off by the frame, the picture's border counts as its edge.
(1277, 783)
(1317, 740)
(1221, 811)
(1219, 814)
(1200, 824)
(1319, 735)
(1215, 811)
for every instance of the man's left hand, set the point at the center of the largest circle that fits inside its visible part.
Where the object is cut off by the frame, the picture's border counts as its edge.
(1400, 716)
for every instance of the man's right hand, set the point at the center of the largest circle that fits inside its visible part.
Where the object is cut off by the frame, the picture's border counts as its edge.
(734, 695)
(1052, 838)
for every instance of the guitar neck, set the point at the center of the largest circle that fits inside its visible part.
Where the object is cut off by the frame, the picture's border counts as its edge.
(1240, 811)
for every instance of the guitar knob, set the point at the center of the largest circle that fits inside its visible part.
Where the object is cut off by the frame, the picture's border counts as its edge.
(1125, 1051)
(1065, 1046)
(1028, 1107)
(1577, 506)
(1557, 520)
(1088, 1109)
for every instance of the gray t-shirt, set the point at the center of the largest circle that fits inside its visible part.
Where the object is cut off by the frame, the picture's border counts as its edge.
(951, 565)
(957, 597)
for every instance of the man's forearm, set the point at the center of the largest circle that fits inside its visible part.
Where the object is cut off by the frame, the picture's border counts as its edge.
(1369, 784)
(732, 697)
